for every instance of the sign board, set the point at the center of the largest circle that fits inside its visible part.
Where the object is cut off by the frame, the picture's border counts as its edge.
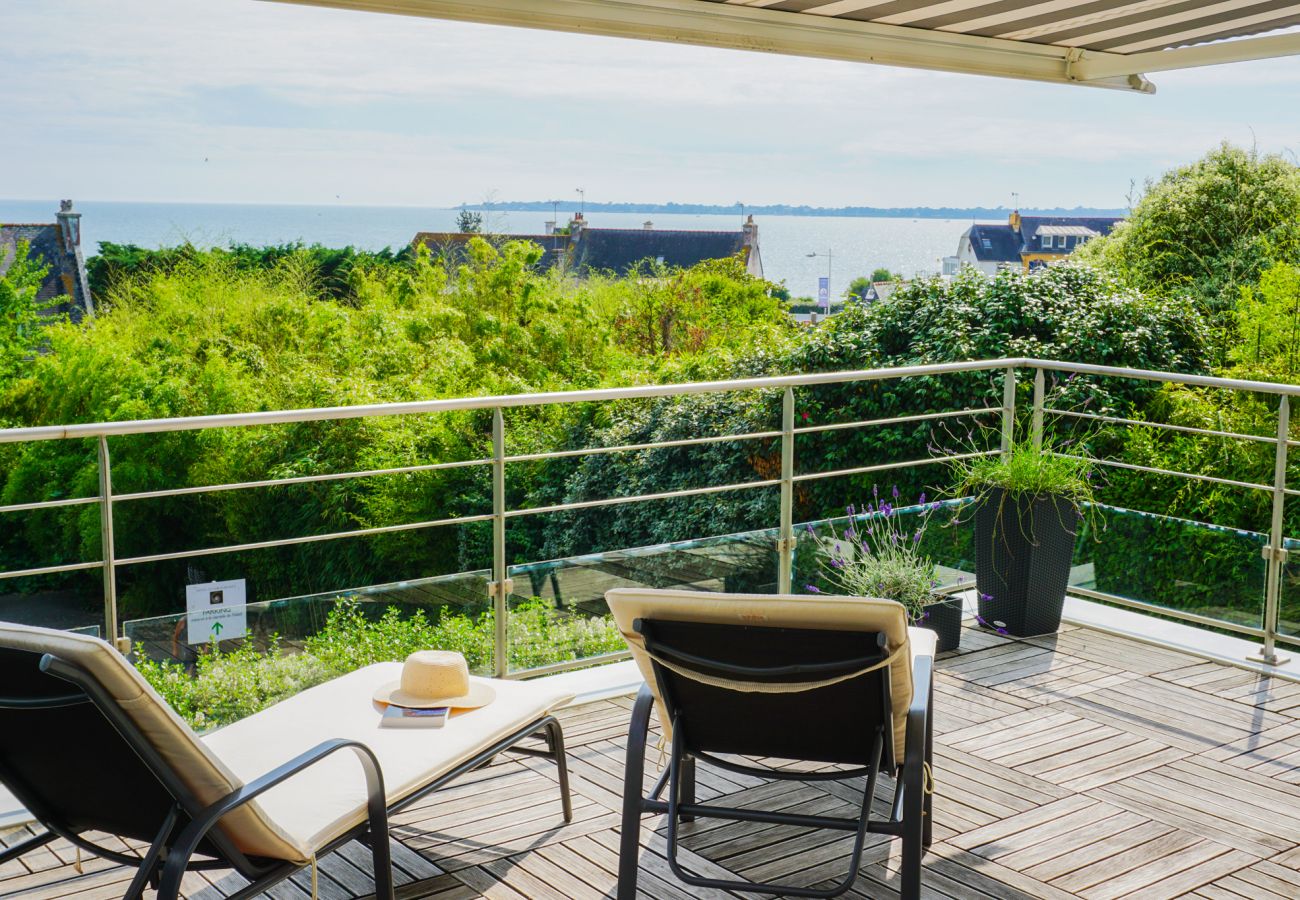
(824, 292)
(217, 609)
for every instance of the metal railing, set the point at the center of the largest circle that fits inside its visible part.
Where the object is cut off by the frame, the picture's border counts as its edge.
(499, 461)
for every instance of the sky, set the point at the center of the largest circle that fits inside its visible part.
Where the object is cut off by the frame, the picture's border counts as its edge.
(246, 101)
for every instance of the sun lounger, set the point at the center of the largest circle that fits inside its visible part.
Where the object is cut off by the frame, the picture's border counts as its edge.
(86, 745)
(835, 680)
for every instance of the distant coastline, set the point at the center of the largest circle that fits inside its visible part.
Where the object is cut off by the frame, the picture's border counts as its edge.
(782, 209)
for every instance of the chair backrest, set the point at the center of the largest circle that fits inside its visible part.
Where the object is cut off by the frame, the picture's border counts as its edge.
(116, 761)
(822, 637)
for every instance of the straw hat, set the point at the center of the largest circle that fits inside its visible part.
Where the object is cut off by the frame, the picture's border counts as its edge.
(432, 678)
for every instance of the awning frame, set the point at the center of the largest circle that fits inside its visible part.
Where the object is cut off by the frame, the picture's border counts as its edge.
(826, 37)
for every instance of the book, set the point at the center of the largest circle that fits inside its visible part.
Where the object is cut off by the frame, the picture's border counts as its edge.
(409, 717)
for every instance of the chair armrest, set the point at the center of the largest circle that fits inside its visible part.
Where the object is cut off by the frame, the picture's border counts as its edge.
(918, 711)
(203, 822)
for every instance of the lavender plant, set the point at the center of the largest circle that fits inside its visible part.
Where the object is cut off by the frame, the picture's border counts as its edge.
(878, 554)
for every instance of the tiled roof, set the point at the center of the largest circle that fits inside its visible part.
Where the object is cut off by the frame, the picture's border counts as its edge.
(621, 249)
(46, 245)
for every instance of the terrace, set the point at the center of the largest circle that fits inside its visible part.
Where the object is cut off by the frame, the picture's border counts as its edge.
(1078, 765)
(1148, 749)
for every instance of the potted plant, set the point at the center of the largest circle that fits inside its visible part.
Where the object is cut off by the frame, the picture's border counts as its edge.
(1027, 504)
(879, 555)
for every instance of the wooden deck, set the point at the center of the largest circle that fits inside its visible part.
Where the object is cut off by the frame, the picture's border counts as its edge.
(1080, 765)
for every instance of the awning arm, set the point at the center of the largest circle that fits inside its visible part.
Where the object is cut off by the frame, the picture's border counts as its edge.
(1092, 66)
(771, 31)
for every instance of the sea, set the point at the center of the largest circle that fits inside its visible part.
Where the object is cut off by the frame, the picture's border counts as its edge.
(844, 247)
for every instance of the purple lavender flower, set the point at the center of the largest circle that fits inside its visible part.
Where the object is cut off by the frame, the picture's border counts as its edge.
(895, 492)
(886, 510)
(809, 528)
(850, 510)
(916, 538)
(812, 589)
(922, 500)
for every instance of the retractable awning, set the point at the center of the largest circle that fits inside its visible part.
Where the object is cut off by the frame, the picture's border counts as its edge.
(1102, 43)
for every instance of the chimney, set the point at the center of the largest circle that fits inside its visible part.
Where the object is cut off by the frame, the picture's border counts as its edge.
(751, 232)
(69, 225)
(648, 226)
(577, 224)
(550, 226)
(1014, 220)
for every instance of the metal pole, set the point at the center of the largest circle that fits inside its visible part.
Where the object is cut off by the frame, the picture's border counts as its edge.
(1038, 409)
(106, 541)
(1008, 408)
(785, 543)
(1274, 552)
(500, 584)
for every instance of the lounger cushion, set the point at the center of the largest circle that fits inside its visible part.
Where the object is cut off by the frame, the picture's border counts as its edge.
(781, 611)
(329, 799)
(199, 770)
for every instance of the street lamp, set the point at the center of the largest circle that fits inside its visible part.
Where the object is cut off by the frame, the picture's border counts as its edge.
(830, 261)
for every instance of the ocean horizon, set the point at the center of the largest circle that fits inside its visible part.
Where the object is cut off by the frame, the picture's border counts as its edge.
(847, 246)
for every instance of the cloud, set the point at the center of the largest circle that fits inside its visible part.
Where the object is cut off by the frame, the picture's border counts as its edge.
(241, 100)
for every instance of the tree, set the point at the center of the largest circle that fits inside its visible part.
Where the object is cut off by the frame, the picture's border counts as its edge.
(1268, 321)
(859, 288)
(1208, 229)
(469, 222)
(1063, 312)
(21, 313)
(883, 274)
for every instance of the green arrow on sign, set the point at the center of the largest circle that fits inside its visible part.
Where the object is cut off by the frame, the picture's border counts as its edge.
(216, 627)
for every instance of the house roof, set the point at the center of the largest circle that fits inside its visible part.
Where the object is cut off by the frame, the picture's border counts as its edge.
(606, 249)
(1034, 228)
(46, 245)
(1002, 243)
(994, 243)
(621, 249)
(1101, 43)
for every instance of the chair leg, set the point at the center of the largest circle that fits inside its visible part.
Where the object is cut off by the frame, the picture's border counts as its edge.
(147, 874)
(629, 852)
(686, 793)
(555, 742)
(927, 833)
(913, 831)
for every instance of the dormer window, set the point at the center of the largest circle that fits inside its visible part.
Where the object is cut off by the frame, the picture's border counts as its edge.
(988, 245)
(1047, 242)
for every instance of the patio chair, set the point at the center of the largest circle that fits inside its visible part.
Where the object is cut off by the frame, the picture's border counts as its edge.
(828, 680)
(87, 746)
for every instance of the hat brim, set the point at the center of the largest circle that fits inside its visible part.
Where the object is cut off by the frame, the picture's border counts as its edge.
(479, 694)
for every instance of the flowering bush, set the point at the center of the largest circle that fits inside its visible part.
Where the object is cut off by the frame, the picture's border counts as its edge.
(879, 555)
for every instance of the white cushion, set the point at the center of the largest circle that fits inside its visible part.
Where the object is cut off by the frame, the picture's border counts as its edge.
(328, 799)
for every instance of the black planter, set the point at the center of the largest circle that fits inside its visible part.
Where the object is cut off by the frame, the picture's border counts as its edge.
(943, 617)
(1023, 551)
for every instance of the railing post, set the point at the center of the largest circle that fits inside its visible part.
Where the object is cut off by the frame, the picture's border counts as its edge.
(500, 583)
(785, 543)
(1038, 409)
(1008, 408)
(106, 542)
(1274, 552)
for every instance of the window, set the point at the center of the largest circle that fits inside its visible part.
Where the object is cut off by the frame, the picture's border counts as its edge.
(988, 245)
(1047, 242)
